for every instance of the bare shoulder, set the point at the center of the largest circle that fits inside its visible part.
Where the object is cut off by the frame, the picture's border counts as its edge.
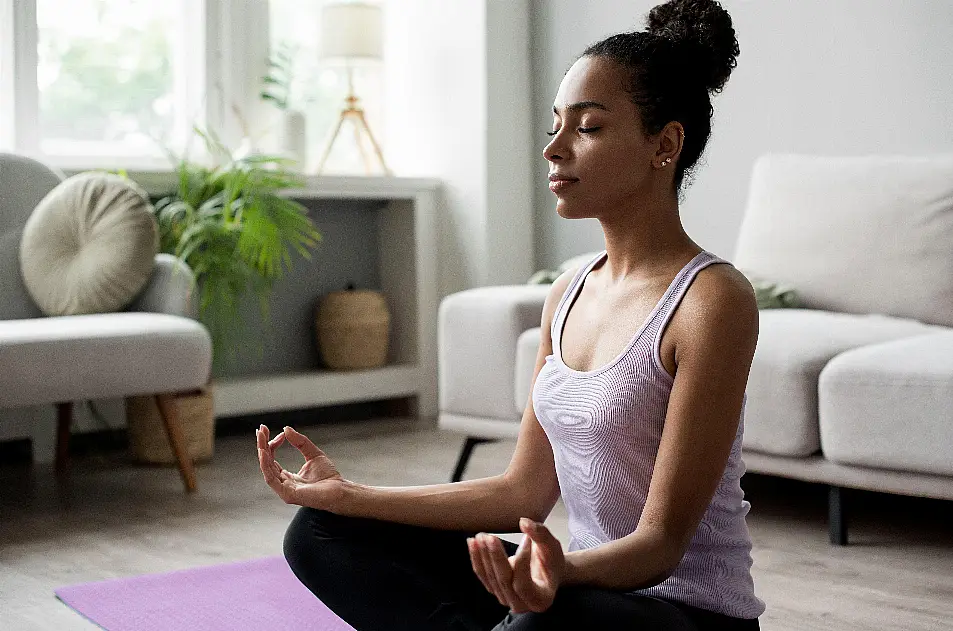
(556, 291)
(719, 302)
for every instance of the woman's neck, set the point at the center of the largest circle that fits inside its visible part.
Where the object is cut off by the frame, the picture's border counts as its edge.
(645, 241)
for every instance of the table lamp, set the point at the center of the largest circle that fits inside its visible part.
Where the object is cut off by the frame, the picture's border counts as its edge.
(351, 33)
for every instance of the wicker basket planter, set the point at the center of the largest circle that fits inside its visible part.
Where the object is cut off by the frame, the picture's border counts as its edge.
(353, 329)
(148, 441)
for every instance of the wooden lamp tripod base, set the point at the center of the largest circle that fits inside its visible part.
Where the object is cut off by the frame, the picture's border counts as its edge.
(355, 114)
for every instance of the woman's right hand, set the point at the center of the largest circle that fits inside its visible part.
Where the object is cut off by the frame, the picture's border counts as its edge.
(317, 484)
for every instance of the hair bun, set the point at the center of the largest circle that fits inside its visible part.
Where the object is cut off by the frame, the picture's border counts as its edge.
(703, 28)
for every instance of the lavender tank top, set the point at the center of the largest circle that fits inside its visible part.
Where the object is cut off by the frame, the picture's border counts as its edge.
(605, 426)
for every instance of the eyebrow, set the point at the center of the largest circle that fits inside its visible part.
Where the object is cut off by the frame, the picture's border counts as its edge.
(583, 105)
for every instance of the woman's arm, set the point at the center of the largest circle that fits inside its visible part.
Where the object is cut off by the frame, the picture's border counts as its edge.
(714, 351)
(528, 487)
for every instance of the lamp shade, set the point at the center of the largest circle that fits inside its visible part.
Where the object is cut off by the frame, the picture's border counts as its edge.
(351, 31)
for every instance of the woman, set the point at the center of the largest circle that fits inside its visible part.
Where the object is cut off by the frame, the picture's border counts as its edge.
(639, 429)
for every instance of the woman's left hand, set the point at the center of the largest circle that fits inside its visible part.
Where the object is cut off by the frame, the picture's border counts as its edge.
(526, 581)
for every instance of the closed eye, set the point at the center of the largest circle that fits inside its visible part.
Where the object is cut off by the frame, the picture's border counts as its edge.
(581, 130)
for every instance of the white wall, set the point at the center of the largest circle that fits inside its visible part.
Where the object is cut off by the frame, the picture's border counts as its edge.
(509, 156)
(832, 77)
(458, 104)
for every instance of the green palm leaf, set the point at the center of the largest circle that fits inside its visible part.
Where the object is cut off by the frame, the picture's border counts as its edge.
(236, 231)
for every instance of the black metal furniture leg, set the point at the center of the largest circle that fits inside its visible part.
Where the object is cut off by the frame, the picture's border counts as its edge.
(465, 456)
(837, 515)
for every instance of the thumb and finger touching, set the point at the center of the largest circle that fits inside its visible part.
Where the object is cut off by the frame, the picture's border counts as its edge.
(301, 442)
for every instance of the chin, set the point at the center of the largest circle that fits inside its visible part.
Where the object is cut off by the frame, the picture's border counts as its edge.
(570, 210)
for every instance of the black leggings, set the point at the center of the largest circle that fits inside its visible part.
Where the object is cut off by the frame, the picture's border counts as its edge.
(383, 576)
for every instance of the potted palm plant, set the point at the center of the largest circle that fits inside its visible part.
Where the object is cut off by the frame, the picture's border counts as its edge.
(230, 223)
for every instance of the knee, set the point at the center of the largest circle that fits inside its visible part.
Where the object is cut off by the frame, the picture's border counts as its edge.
(307, 526)
(563, 614)
(311, 526)
(588, 608)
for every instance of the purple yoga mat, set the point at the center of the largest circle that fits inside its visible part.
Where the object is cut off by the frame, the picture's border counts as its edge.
(259, 594)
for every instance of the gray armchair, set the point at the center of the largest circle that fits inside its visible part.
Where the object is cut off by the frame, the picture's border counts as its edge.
(155, 347)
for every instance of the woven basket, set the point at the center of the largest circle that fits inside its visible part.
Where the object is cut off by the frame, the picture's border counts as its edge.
(148, 441)
(353, 329)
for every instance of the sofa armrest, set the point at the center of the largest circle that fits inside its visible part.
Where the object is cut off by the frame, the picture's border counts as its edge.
(170, 289)
(477, 343)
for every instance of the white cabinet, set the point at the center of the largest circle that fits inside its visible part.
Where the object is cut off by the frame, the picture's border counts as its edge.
(408, 275)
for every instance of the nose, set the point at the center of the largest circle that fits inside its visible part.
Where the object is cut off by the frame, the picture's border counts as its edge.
(554, 151)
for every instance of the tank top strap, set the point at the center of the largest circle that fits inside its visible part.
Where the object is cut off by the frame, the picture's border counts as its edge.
(677, 291)
(568, 296)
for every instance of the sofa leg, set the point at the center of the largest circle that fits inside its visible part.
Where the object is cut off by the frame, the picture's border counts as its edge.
(170, 418)
(837, 515)
(465, 456)
(64, 419)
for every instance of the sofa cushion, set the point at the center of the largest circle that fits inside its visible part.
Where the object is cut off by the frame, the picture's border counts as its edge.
(89, 245)
(477, 333)
(16, 302)
(23, 183)
(794, 345)
(890, 405)
(72, 358)
(855, 234)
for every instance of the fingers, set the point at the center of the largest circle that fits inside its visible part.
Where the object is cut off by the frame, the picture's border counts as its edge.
(270, 445)
(544, 540)
(275, 442)
(521, 560)
(302, 444)
(265, 439)
(476, 560)
(281, 484)
(492, 567)
(495, 587)
(484, 571)
(523, 584)
(503, 570)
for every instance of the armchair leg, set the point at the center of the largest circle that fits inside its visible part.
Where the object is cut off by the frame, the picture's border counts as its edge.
(170, 418)
(836, 516)
(64, 419)
(465, 456)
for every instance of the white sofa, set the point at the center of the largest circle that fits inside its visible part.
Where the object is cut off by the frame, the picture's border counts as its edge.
(154, 347)
(854, 389)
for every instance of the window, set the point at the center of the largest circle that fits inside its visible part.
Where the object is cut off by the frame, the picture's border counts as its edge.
(115, 77)
(105, 82)
(319, 91)
(6, 75)
(119, 83)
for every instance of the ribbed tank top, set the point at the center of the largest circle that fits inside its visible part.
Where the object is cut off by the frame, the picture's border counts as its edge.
(605, 426)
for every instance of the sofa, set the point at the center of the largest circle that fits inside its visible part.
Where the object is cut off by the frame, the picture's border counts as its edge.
(152, 347)
(852, 389)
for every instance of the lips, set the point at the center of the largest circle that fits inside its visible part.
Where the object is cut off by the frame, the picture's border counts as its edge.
(559, 182)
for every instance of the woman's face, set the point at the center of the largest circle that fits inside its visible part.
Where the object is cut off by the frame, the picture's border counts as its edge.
(599, 158)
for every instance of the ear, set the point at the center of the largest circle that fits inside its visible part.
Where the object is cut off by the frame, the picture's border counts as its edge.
(670, 142)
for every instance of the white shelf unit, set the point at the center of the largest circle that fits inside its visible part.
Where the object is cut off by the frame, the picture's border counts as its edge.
(408, 276)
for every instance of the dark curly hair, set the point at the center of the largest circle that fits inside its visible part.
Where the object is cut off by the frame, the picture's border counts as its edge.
(686, 53)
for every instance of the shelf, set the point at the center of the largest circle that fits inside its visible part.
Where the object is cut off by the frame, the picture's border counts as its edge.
(161, 181)
(269, 393)
(360, 187)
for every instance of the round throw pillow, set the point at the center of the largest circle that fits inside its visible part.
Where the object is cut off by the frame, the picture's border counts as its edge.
(89, 246)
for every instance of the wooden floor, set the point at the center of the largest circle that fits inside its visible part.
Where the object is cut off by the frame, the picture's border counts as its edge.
(115, 519)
